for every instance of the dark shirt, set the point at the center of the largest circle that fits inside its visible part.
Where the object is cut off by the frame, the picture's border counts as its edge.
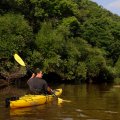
(37, 85)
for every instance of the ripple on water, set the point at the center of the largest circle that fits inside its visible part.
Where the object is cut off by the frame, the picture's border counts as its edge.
(113, 112)
(67, 119)
(81, 114)
(92, 119)
(79, 110)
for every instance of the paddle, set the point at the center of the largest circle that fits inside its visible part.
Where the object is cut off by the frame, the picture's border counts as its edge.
(22, 63)
(59, 99)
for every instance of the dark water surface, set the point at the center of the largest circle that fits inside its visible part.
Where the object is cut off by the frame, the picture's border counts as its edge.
(88, 102)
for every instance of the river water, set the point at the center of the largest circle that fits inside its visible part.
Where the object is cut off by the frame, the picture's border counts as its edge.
(88, 102)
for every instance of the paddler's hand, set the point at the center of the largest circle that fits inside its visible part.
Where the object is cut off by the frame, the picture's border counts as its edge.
(33, 75)
(49, 89)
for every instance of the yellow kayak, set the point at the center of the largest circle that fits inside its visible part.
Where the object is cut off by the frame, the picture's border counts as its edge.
(33, 100)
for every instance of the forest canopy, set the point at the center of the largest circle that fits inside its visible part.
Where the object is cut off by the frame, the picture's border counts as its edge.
(76, 39)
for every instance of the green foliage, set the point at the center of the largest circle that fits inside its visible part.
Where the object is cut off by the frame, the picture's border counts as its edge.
(98, 32)
(15, 35)
(81, 71)
(67, 69)
(109, 74)
(15, 32)
(66, 8)
(94, 65)
(75, 39)
(49, 43)
(117, 67)
(114, 47)
(71, 26)
(34, 59)
(48, 40)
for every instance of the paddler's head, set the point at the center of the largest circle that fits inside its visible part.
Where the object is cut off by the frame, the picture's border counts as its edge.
(38, 72)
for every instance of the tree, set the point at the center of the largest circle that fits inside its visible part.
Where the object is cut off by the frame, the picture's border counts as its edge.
(15, 35)
(48, 43)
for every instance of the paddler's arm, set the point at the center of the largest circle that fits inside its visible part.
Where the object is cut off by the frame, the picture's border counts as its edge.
(49, 89)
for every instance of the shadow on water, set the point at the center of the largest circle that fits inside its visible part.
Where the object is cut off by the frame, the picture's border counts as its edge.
(88, 102)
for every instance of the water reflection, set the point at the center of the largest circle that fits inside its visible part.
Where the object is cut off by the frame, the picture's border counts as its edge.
(26, 111)
(88, 102)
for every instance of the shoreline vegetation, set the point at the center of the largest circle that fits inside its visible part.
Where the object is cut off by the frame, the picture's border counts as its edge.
(70, 40)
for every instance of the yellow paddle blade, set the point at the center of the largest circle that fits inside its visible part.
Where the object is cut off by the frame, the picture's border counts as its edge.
(19, 59)
(60, 100)
(66, 100)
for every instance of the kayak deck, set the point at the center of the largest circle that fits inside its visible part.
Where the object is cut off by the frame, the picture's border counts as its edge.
(33, 100)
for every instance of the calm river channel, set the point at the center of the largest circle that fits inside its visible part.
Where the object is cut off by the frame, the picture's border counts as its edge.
(88, 102)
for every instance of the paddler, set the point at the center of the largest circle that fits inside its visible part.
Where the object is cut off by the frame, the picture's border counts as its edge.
(37, 85)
